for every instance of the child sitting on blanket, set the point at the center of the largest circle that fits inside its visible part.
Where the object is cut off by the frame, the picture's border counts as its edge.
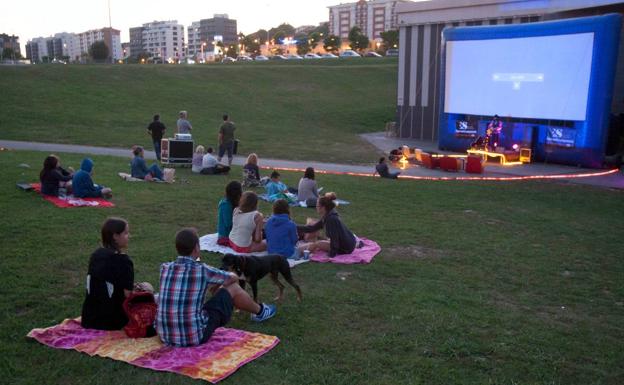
(182, 318)
(53, 177)
(233, 192)
(198, 155)
(139, 169)
(341, 239)
(278, 190)
(110, 279)
(83, 185)
(281, 231)
(247, 221)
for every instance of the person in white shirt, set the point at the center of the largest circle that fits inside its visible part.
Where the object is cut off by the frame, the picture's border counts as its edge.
(210, 164)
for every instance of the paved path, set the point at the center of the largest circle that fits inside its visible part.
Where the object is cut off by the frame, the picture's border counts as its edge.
(610, 181)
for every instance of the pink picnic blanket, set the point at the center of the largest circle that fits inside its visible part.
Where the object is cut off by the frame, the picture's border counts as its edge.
(225, 352)
(363, 254)
(71, 201)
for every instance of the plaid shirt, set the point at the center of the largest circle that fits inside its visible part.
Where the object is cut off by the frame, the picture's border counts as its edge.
(183, 284)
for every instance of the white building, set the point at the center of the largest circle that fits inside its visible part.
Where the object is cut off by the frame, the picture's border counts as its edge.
(194, 41)
(373, 17)
(164, 39)
(70, 44)
(110, 36)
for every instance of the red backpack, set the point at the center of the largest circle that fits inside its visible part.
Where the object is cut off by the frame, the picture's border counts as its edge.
(140, 307)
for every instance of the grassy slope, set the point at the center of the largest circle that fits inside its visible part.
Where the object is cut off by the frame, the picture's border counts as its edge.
(307, 110)
(517, 283)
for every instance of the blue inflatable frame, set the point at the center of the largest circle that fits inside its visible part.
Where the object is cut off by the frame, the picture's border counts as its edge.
(591, 134)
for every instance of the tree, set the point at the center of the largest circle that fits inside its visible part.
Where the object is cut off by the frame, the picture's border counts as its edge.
(10, 54)
(99, 51)
(314, 38)
(303, 46)
(358, 40)
(332, 43)
(390, 39)
(278, 37)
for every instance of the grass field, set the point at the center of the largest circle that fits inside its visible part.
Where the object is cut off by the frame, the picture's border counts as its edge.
(477, 283)
(306, 110)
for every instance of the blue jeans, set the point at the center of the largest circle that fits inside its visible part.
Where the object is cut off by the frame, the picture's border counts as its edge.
(155, 171)
(157, 148)
(229, 147)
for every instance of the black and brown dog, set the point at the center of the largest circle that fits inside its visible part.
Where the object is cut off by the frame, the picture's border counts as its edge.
(251, 269)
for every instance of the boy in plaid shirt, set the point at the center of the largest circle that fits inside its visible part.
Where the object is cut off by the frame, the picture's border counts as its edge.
(182, 318)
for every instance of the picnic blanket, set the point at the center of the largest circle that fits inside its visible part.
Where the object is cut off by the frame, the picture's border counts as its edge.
(208, 242)
(129, 178)
(225, 352)
(363, 254)
(71, 201)
(338, 202)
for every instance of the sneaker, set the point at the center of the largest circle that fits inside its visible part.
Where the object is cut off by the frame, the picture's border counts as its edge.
(267, 312)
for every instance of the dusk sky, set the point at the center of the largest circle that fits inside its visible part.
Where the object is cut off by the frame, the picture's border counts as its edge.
(34, 18)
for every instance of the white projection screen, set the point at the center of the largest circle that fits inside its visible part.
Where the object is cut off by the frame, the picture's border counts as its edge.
(544, 77)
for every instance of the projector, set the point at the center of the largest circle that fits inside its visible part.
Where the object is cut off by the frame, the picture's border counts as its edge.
(183, 137)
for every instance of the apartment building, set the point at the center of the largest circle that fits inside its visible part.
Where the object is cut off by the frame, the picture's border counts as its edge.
(208, 31)
(110, 36)
(161, 39)
(9, 42)
(373, 17)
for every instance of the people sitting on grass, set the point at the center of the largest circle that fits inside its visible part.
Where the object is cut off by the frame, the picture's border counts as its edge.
(275, 189)
(139, 169)
(198, 156)
(251, 172)
(383, 170)
(53, 177)
(110, 279)
(247, 222)
(83, 185)
(307, 190)
(227, 204)
(211, 166)
(281, 231)
(341, 239)
(183, 319)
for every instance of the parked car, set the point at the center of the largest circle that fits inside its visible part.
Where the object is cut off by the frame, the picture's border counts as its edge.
(293, 57)
(278, 57)
(372, 54)
(228, 59)
(261, 58)
(243, 58)
(311, 56)
(329, 56)
(392, 52)
(349, 53)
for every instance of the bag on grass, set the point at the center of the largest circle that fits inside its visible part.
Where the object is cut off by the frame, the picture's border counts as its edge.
(168, 175)
(140, 307)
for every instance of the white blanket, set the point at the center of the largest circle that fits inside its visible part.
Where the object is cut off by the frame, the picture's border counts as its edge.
(209, 243)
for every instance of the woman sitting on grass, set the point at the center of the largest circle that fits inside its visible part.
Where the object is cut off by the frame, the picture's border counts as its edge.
(110, 279)
(53, 177)
(139, 169)
(233, 192)
(198, 156)
(341, 239)
(307, 190)
(247, 222)
(251, 172)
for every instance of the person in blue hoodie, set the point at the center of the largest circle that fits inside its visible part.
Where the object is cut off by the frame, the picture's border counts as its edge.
(83, 184)
(139, 169)
(281, 231)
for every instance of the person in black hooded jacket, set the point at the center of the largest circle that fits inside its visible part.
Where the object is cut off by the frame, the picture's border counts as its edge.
(341, 239)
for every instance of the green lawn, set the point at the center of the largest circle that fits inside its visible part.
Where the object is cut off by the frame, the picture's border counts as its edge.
(477, 282)
(306, 110)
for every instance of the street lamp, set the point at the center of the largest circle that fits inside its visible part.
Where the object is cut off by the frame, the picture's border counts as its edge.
(202, 51)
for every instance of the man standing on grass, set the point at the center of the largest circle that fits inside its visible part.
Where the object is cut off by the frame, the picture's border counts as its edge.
(157, 130)
(184, 126)
(182, 318)
(226, 139)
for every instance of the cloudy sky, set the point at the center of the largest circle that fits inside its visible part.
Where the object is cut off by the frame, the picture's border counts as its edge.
(34, 18)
